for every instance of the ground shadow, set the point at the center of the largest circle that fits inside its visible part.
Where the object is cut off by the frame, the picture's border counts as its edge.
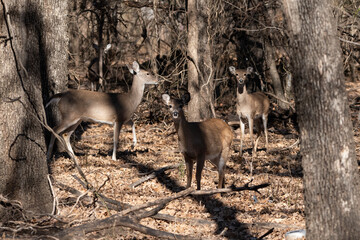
(224, 216)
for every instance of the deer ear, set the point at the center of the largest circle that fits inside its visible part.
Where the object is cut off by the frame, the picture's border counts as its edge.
(249, 70)
(185, 98)
(166, 99)
(130, 69)
(107, 48)
(136, 67)
(232, 69)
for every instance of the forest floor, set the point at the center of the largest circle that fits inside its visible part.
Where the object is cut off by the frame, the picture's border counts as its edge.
(235, 215)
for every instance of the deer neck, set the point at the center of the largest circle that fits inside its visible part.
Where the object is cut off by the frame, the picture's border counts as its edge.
(136, 92)
(181, 125)
(242, 92)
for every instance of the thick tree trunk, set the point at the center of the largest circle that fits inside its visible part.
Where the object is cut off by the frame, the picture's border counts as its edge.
(40, 63)
(53, 52)
(200, 74)
(331, 177)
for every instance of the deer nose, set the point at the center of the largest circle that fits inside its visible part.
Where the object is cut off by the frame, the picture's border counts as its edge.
(175, 114)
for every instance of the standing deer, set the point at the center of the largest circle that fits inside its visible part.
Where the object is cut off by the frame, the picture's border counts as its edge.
(252, 106)
(111, 108)
(96, 79)
(199, 141)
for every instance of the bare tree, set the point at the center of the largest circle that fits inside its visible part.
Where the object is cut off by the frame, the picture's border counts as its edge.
(331, 177)
(33, 59)
(200, 76)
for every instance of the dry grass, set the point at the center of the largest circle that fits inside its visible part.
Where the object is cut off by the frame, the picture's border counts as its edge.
(281, 203)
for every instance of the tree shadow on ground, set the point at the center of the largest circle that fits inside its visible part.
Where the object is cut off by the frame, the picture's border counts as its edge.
(224, 216)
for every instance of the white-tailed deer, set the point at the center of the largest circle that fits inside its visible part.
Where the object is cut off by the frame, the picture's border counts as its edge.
(200, 141)
(252, 106)
(112, 108)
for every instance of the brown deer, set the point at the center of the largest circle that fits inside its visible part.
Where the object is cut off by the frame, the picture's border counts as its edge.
(94, 77)
(112, 108)
(200, 141)
(252, 106)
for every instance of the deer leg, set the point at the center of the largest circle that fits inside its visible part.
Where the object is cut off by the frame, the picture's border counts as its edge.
(117, 128)
(60, 129)
(132, 124)
(258, 134)
(242, 128)
(189, 169)
(251, 129)
(265, 119)
(199, 167)
(222, 166)
(50, 148)
(67, 136)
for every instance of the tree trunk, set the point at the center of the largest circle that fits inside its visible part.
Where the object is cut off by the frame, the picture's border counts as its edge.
(33, 60)
(74, 44)
(53, 55)
(331, 177)
(200, 70)
(100, 23)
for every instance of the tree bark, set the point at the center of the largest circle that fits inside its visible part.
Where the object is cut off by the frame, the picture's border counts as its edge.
(33, 59)
(200, 69)
(74, 44)
(331, 178)
(53, 57)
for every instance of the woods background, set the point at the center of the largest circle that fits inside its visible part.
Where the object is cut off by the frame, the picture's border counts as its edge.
(49, 46)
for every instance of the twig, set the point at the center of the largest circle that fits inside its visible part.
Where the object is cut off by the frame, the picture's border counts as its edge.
(16, 230)
(157, 202)
(78, 199)
(55, 202)
(351, 42)
(278, 98)
(266, 234)
(231, 189)
(286, 148)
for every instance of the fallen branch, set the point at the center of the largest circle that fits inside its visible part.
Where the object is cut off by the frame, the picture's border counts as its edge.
(153, 175)
(140, 213)
(123, 219)
(112, 222)
(119, 206)
(276, 150)
(162, 201)
(231, 189)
